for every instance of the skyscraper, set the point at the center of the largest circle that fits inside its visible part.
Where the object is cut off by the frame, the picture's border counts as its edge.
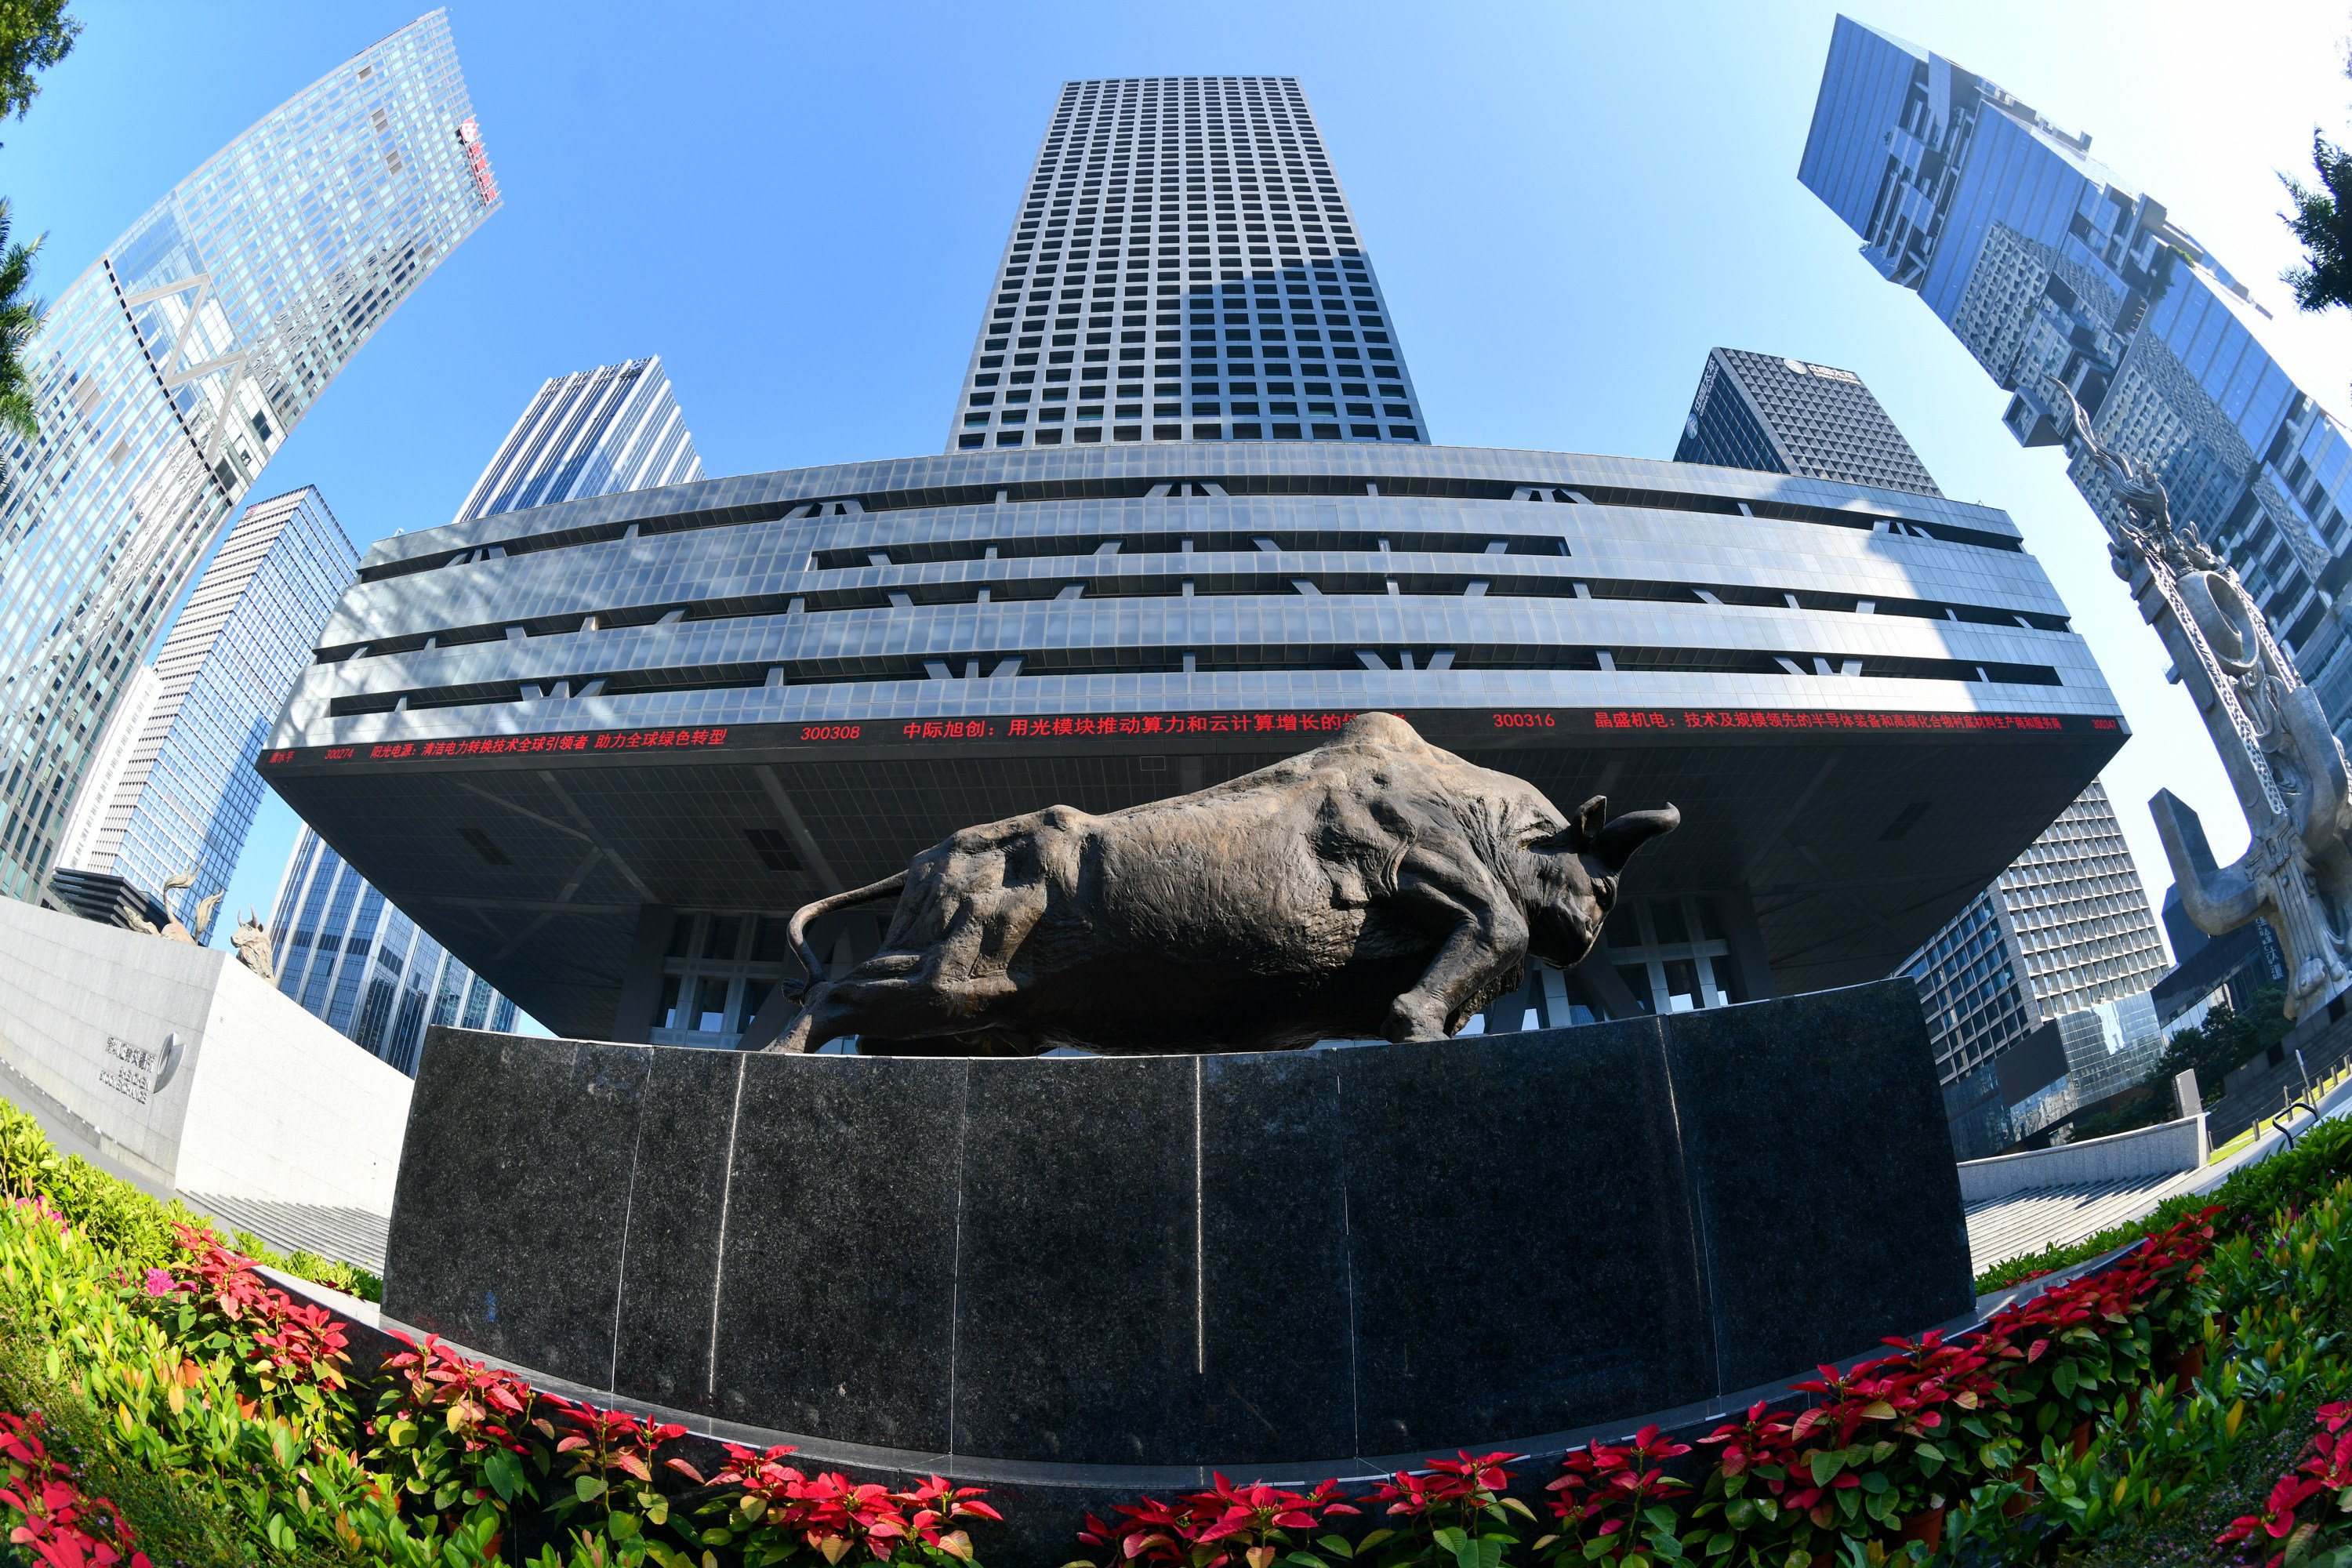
(1191, 232)
(592, 433)
(2044, 263)
(167, 373)
(187, 791)
(1788, 416)
(364, 966)
(600, 746)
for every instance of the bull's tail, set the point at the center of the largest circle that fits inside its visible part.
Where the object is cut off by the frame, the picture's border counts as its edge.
(797, 930)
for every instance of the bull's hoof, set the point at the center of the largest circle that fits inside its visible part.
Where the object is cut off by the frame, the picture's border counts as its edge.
(1410, 1025)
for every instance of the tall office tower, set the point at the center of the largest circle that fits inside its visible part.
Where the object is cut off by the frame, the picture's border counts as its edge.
(1788, 417)
(1184, 267)
(2064, 931)
(188, 790)
(616, 428)
(2046, 264)
(167, 373)
(352, 959)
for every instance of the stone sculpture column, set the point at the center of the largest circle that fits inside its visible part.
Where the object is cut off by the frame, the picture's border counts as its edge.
(2269, 729)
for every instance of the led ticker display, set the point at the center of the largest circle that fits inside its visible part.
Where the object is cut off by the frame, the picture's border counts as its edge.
(1445, 726)
(1825, 719)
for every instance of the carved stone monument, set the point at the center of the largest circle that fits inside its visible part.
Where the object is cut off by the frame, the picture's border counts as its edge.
(2273, 736)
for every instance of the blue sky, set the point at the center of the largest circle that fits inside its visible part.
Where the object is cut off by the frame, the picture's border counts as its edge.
(799, 207)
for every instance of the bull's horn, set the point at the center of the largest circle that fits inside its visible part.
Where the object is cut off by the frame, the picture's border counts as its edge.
(1615, 843)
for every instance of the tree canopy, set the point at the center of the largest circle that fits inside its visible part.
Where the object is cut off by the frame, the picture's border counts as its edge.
(34, 35)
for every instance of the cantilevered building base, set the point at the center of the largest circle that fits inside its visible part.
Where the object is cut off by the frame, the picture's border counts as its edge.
(600, 749)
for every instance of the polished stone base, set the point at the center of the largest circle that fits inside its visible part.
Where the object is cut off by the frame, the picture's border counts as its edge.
(1256, 1262)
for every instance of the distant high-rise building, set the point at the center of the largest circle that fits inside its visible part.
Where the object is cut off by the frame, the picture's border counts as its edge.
(167, 373)
(2064, 931)
(362, 966)
(1184, 267)
(1786, 416)
(616, 428)
(187, 791)
(108, 766)
(2045, 264)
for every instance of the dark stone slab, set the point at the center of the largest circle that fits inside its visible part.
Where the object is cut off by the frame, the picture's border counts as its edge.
(1273, 1218)
(1828, 1202)
(507, 1224)
(839, 1273)
(1522, 1246)
(1091, 1357)
(671, 1252)
(1269, 1264)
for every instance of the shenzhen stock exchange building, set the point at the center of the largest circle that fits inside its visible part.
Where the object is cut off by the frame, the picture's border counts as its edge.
(1189, 521)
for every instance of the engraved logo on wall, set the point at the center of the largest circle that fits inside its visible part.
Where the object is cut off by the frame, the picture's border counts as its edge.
(141, 1072)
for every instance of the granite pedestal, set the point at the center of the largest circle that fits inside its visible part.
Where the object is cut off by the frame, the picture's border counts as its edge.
(1269, 1263)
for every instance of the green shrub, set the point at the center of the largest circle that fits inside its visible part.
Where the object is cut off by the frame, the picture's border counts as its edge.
(122, 1219)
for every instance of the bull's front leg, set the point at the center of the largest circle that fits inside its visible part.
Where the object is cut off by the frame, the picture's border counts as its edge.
(1484, 934)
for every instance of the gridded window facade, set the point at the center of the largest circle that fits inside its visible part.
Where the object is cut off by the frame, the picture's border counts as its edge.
(1788, 416)
(1184, 267)
(169, 372)
(362, 966)
(1671, 953)
(717, 972)
(2066, 929)
(188, 792)
(2050, 267)
(616, 428)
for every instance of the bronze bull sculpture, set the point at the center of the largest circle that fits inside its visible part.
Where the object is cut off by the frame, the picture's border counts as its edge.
(1375, 885)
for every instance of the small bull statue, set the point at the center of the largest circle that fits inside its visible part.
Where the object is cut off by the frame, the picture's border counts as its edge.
(1375, 885)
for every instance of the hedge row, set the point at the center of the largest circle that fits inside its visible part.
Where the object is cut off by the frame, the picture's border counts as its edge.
(2193, 1401)
(119, 1217)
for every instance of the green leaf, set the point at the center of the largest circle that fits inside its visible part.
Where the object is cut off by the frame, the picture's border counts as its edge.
(1826, 1464)
(2065, 1379)
(504, 1473)
(1336, 1545)
(589, 1488)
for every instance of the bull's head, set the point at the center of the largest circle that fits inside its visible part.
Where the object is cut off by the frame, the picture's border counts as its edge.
(1571, 881)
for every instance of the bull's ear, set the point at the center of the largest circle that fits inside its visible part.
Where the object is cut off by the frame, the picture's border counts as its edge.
(1615, 843)
(1585, 828)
